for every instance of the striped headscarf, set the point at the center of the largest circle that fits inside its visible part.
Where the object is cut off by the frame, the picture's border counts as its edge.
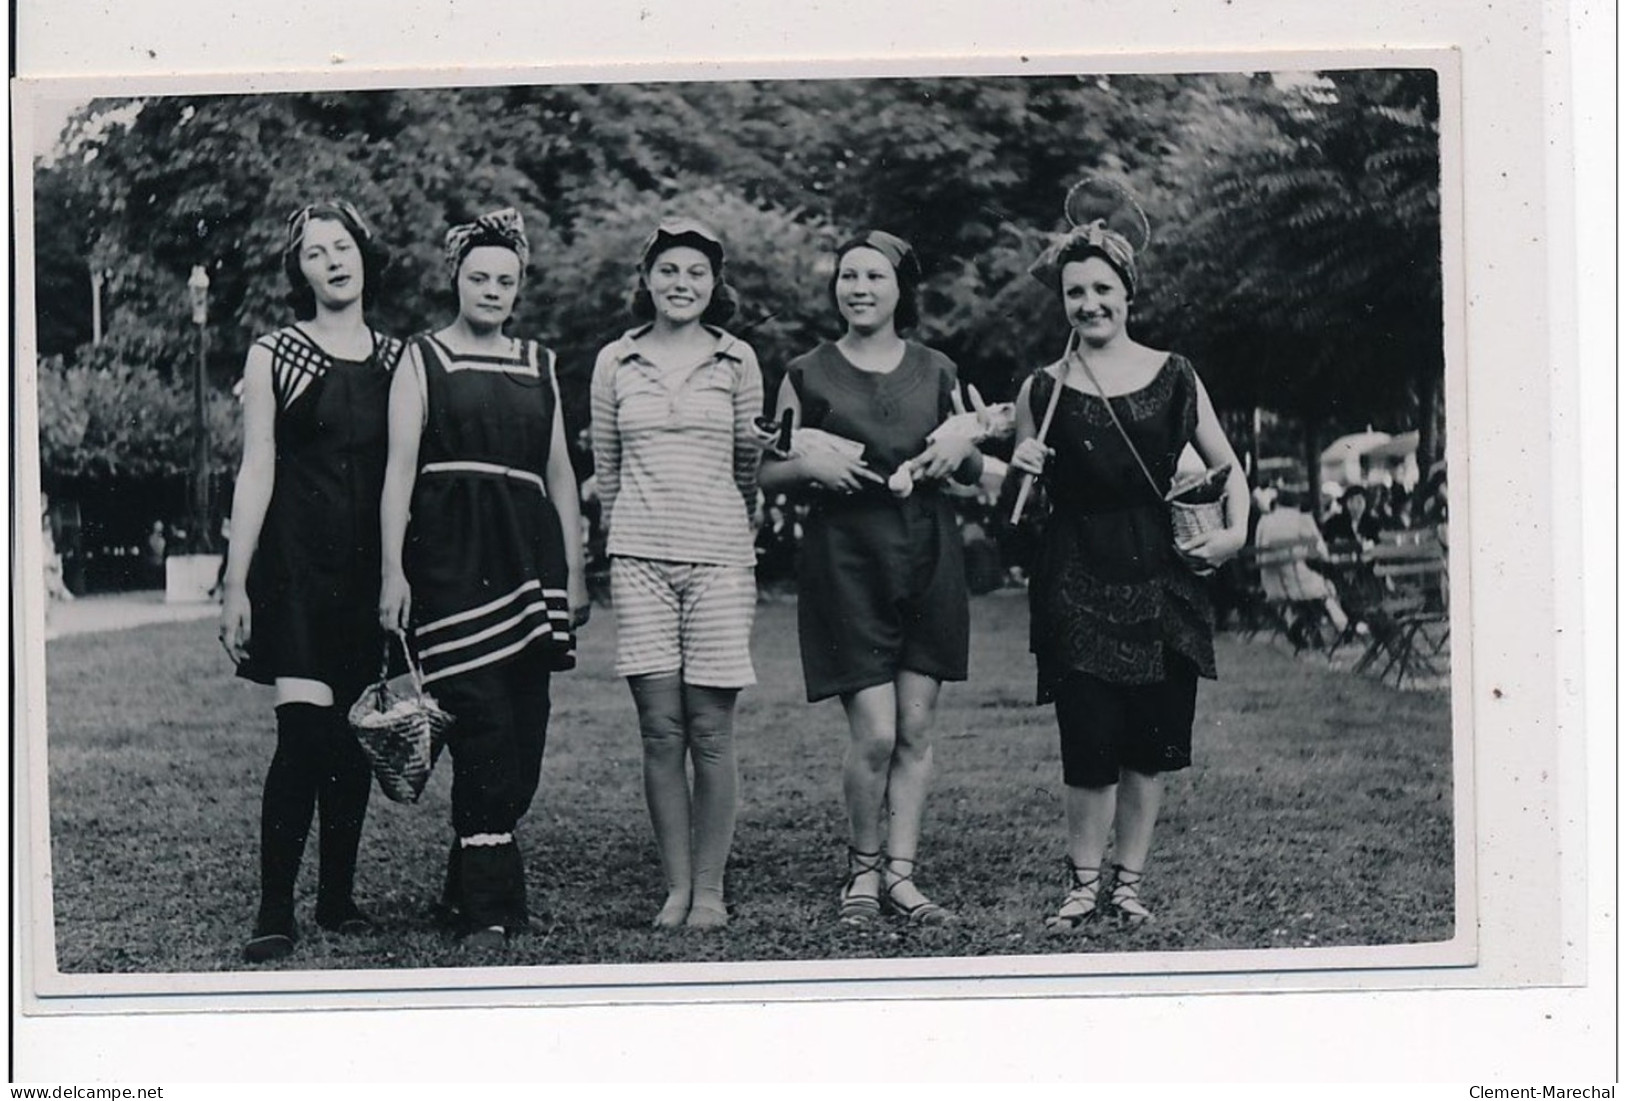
(336, 209)
(503, 228)
(1081, 243)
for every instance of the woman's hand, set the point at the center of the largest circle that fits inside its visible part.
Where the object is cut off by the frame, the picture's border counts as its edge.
(236, 622)
(764, 433)
(942, 456)
(1030, 456)
(837, 473)
(1207, 552)
(395, 602)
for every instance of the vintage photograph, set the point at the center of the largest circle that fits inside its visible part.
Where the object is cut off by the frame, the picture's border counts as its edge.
(994, 520)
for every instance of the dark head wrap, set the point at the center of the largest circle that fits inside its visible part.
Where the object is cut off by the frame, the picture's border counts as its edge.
(678, 232)
(1081, 243)
(896, 250)
(503, 228)
(900, 254)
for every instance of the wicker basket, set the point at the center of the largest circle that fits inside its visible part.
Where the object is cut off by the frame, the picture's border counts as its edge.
(401, 730)
(1192, 520)
(1196, 503)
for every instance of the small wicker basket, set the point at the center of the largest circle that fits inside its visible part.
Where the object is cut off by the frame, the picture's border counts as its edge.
(401, 730)
(1196, 503)
(1192, 520)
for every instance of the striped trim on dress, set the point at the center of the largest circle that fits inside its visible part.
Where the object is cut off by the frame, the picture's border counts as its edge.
(493, 631)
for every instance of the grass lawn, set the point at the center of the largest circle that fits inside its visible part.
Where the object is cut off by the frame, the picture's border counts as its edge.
(1318, 813)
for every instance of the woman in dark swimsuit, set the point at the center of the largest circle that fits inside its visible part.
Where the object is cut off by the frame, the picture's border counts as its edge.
(300, 580)
(1121, 622)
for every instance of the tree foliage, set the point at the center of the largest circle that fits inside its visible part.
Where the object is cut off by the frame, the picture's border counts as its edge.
(1296, 251)
(103, 417)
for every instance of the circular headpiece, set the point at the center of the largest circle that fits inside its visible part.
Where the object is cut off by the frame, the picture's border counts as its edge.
(1106, 221)
(1109, 203)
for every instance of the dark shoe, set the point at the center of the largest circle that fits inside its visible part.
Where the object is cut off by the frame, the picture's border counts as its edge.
(489, 939)
(273, 939)
(349, 922)
(491, 886)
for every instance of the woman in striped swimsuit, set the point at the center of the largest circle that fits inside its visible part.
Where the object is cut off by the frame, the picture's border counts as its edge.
(488, 574)
(675, 451)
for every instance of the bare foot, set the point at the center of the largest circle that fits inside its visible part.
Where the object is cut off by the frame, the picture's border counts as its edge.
(674, 912)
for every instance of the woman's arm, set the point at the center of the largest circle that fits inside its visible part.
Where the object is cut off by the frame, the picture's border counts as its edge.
(1208, 552)
(949, 454)
(406, 414)
(819, 467)
(256, 478)
(747, 438)
(1029, 455)
(565, 493)
(778, 474)
(606, 436)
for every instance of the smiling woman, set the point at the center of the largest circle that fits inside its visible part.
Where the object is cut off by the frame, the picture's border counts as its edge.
(676, 448)
(883, 615)
(1122, 624)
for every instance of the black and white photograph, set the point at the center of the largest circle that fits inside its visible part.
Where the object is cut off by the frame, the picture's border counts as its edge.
(1023, 393)
(895, 526)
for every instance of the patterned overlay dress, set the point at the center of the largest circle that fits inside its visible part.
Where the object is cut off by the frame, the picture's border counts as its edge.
(1110, 597)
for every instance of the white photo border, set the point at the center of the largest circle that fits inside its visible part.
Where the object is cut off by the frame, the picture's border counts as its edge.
(1556, 855)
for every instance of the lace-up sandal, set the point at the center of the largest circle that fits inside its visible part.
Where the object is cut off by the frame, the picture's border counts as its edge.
(1125, 896)
(924, 912)
(860, 909)
(1082, 902)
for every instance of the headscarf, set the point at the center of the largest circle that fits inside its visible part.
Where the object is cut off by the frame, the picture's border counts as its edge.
(337, 209)
(682, 231)
(1080, 243)
(503, 228)
(898, 252)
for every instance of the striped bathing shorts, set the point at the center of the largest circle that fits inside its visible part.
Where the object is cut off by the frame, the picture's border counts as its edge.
(688, 617)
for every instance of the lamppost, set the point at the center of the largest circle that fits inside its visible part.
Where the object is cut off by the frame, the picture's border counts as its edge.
(198, 288)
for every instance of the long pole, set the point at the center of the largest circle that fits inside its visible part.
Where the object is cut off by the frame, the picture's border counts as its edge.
(96, 307)
(1027, 479)
(200, 447)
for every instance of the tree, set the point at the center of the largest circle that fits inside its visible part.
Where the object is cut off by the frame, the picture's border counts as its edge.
(1296, 251)
(1302, 259)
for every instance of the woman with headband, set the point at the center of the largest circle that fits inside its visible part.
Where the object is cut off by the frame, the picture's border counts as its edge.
(675, 451)
(300, 578)
(482, 559)
(884, 617)
(1121, 622)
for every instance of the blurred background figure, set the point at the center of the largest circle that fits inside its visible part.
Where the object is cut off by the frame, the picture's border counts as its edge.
(1285, 524)
(153, 552)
